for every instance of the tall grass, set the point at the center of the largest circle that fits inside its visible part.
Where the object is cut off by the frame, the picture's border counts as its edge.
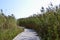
(8, 27)
(47, 25)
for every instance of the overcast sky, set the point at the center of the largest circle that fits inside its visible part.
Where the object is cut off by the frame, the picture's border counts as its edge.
(24, 8)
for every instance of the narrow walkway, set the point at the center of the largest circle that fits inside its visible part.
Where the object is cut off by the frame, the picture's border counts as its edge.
(28, 34)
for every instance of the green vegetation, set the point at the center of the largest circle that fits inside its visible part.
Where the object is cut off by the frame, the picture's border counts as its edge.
(8, 27)
(47, 24)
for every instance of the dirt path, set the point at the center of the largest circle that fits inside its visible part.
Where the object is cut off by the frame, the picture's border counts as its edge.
(28, 34)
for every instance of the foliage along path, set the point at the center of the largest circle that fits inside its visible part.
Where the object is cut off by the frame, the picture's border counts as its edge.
(28, 34)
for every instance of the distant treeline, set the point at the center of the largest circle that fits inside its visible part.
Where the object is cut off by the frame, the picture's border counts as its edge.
(47, 24)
